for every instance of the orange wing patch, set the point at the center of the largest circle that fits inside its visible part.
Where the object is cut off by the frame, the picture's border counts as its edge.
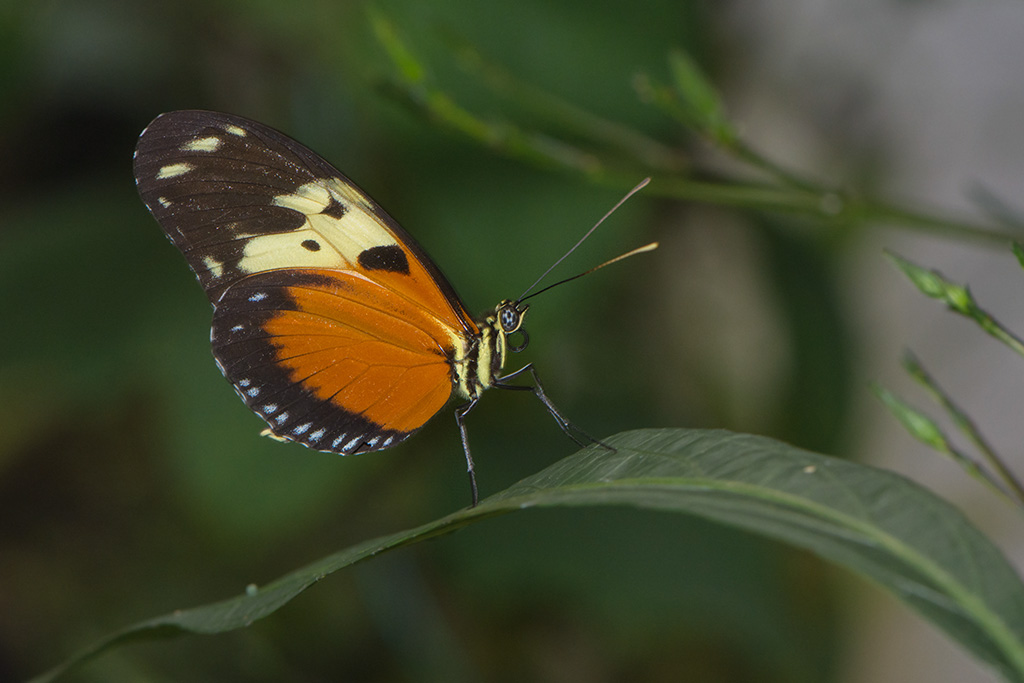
(333, 360)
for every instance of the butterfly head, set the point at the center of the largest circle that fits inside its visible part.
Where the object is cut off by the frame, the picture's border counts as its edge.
(510, 316)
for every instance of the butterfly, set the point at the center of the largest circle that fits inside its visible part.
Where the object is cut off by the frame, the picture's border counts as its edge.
(331, 322)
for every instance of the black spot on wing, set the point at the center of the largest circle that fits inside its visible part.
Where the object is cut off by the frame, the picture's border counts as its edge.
(389, 258)
(335, 209)
(311, 245)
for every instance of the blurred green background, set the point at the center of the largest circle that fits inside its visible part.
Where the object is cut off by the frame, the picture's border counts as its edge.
(133, 481)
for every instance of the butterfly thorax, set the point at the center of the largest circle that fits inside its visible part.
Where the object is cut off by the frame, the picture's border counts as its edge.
(480, 364)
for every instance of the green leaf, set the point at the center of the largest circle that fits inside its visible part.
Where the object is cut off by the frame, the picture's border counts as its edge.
(933, 284)
(699, 98)
(958, 298)
(873, 522)
(1001, 479)
(411, 69)
(920, 426)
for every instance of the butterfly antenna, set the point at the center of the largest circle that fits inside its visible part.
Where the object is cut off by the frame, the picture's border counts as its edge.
(639, 250)
(642, 184)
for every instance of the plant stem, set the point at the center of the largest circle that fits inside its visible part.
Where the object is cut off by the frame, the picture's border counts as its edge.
(966, 425)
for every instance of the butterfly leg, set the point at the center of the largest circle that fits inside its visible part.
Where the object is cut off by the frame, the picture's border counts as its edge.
(537, 388)
(460, 415)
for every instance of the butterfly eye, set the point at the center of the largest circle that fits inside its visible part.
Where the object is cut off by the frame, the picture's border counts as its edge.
(510, 316)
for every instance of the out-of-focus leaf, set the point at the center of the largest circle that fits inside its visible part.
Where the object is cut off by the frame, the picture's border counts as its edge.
(871, 521)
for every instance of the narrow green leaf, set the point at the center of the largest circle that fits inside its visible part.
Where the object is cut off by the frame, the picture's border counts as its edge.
(409, 67)
(1005, 483)
(699, 98)
(959, 299)
(873, 522)
(925, 430)
(933, 284)
(920, 426)
(562, 115)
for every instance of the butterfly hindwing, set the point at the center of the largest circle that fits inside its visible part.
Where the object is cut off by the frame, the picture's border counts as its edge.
(329, 319)
(362, 385)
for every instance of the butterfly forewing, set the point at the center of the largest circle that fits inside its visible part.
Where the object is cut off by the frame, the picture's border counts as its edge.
(329, 319)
